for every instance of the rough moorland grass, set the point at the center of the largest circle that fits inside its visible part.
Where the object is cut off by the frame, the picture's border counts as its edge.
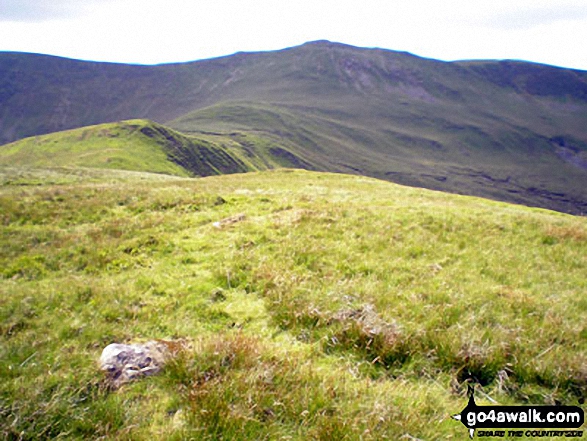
(338, 307)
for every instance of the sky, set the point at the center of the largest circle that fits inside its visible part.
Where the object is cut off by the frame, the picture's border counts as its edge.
(152, 31)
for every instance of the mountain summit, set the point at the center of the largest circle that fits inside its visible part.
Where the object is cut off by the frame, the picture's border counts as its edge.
(506, 130)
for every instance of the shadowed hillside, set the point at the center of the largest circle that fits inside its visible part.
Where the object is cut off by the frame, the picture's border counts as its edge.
(506, 130)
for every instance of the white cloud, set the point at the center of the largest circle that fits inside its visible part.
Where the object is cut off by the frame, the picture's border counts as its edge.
(42, 10)
(532, 17)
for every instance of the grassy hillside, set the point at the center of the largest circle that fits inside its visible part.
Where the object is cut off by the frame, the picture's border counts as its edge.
(506, 130)
(139, 145)
(417, 149)
(337, 307)
(113, 146)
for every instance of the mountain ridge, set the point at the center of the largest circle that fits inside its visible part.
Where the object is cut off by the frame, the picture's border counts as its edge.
(145, 146)
(160, 74)
(319, 42)
(507, 130)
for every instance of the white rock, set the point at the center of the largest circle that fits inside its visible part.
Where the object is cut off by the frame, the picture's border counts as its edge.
(123, 363)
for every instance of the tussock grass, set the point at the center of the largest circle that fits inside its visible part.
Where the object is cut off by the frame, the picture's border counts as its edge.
(336, 307)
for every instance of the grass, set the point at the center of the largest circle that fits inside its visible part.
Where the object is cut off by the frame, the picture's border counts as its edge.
(337, 307)
(112, 146)
(135, 145)
(144, 146)
(510, 131)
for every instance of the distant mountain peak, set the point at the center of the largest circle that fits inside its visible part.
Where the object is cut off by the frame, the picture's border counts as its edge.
(320, 42)
(481, 128)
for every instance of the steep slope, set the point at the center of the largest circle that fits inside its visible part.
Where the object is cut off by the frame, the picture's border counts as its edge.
(505, 130)
(140, 145)
(115, 145)
(42, 94)
(499, 130)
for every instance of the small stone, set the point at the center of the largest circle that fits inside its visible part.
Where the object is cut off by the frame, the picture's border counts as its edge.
(122, 362)
(229, 221)
(179, 420)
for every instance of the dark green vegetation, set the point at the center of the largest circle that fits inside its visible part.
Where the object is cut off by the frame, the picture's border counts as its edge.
(337, 307)
(507, 130)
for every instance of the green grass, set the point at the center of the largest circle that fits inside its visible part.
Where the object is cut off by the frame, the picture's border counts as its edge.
(447, 146)
(339, 307)
(509, 131)
(135, 145)
(144, 146)
(112, 146)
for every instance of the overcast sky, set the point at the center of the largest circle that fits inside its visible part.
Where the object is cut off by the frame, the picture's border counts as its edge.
(148, 32)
